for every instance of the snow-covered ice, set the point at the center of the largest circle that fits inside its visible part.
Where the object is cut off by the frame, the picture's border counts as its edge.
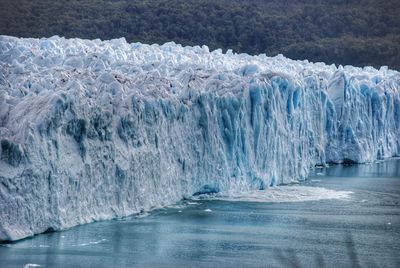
(93, 130)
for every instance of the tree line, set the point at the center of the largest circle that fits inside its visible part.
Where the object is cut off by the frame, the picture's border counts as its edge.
(356, 32)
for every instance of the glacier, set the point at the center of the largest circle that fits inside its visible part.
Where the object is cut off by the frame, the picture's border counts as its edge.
(93, 130)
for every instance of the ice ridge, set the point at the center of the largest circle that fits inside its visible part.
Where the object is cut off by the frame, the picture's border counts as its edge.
(93, 129)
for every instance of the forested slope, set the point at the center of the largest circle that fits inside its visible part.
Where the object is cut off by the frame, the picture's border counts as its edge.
(356, 32)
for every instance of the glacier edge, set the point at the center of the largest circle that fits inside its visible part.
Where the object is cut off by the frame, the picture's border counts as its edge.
(93, 130)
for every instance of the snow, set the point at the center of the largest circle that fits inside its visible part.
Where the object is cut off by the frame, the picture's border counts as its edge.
(94, 130)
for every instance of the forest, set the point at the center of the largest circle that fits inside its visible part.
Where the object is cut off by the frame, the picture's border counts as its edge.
(355, 32)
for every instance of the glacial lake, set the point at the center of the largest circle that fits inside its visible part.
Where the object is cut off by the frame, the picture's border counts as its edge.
(342, 216)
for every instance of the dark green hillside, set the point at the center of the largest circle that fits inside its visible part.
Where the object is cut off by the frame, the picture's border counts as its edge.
(357, 32)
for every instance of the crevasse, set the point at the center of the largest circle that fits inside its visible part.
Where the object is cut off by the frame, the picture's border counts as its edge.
(93, 130)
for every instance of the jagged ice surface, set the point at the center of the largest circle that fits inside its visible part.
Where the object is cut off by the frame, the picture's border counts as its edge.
(94, 130)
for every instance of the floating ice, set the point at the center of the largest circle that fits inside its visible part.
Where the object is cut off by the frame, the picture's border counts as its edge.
(90, 243)
(31, 265)
(93, 130)
(281, 194)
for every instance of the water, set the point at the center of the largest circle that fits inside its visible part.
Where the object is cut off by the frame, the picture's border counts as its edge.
(358, 226)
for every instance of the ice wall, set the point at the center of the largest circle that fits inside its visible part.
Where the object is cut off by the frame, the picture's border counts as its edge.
(93, 130)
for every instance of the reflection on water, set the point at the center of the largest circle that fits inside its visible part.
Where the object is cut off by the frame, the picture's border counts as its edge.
(363, 230)
(389, 169)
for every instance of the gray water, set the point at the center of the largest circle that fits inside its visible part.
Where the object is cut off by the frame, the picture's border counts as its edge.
(363, 230)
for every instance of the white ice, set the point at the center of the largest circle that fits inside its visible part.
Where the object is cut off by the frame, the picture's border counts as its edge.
(93, 130)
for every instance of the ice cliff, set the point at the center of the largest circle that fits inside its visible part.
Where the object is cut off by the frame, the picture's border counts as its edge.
(93, 130)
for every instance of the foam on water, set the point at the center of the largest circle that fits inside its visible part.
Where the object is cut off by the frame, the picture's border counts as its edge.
(280, 194)
(66, 243)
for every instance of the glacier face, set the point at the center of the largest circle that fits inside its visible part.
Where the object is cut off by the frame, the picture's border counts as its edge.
(94, 130)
